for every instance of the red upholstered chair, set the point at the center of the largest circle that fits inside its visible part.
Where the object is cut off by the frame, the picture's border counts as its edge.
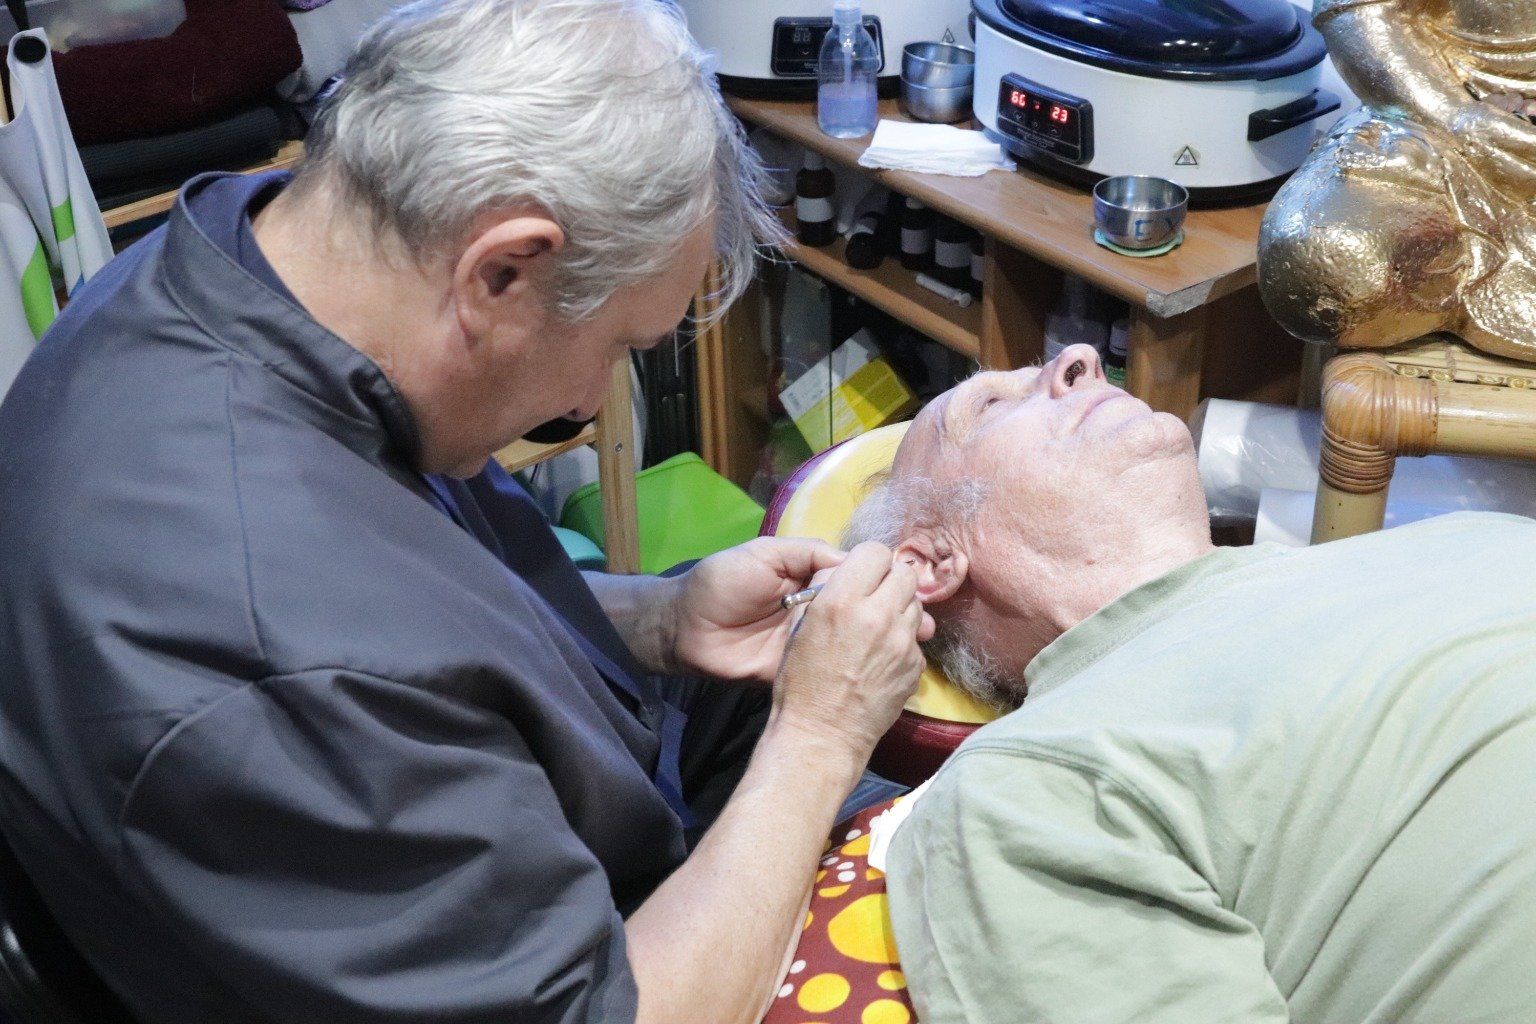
(817, 501)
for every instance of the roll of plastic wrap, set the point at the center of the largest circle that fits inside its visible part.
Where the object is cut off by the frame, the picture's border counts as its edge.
(1246, 447)
(1286, 516)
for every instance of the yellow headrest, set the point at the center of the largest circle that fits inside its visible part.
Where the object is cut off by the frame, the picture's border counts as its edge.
(821, 507)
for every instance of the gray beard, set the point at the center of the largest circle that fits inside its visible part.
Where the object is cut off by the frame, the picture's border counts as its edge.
(972, 671)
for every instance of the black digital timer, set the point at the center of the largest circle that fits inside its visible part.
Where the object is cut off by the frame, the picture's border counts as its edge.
(1061, 125)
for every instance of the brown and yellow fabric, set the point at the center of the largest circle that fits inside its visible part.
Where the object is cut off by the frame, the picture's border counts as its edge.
(845, 969)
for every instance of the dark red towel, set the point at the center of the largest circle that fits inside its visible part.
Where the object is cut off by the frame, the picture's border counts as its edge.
(226, 54)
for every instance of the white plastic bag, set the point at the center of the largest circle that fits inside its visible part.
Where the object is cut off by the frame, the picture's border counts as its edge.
(71, 23)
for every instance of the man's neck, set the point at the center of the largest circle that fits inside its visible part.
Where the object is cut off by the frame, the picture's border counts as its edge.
(334, 269)
(1097, 578)
(377, 301)
(1138, 561)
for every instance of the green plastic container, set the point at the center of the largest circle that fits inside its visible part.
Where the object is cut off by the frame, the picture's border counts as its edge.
(686, 511)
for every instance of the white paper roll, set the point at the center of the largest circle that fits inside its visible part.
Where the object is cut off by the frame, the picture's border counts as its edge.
(1285, 516)
(1246, 447)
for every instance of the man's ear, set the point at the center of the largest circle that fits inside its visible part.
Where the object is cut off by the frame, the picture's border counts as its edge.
(499, 266)
(941, 567)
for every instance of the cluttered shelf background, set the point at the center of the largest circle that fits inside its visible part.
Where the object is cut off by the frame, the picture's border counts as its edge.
(1002, 271)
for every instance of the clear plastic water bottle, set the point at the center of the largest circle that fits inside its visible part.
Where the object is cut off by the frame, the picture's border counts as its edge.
(849, 65)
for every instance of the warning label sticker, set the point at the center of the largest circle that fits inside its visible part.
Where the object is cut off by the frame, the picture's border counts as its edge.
(1187, 158)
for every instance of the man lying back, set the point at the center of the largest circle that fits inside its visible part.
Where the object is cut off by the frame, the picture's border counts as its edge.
(1241, 784)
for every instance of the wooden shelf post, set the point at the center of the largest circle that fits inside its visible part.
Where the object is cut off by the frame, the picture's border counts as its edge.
(616, 473)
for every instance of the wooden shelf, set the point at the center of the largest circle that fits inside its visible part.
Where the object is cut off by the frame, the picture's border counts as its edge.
(755, 401)
(522, 454)
(1050, 220)
(894, 289)
(288, 156)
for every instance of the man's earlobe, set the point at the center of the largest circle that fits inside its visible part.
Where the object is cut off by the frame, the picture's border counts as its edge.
(941, 568)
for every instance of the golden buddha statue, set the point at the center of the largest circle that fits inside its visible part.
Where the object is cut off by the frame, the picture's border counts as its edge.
(1417, 214)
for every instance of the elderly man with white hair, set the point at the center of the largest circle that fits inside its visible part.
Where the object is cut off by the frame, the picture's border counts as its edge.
(304, 715)
(1236, 784)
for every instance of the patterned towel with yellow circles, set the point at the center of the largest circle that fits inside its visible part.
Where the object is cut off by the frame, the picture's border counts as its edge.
(845, 969)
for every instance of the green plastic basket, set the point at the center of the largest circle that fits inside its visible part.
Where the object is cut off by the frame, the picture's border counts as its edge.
(686, 511)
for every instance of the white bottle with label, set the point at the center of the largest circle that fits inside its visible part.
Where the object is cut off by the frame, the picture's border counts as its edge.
(815, 214)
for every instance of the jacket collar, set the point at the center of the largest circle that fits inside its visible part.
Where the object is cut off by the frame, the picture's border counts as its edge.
(357, 404)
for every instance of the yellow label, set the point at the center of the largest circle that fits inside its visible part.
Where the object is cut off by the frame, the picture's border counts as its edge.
(872, 396)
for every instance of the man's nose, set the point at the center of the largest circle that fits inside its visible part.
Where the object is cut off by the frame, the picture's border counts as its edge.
(1077, 365)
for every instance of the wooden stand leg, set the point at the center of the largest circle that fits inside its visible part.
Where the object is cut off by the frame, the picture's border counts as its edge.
(1371, 415)
(733, 381)
(616, 473)
(1340, 513)
(1165, 361)
(1017, 294)
(709, 349)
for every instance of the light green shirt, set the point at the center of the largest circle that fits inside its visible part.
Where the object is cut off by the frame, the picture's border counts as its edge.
(1275, 784)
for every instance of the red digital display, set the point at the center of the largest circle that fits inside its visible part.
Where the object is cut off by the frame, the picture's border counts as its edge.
(1038, 110)
(1043, 118)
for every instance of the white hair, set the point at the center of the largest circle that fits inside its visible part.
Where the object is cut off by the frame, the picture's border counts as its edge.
(602, 113)
(892, 511)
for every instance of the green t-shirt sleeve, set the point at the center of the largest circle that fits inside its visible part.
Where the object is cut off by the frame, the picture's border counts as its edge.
(1025, 889)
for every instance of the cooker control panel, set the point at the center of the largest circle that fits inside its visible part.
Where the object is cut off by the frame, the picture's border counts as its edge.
(1060, 124)
(797, 44)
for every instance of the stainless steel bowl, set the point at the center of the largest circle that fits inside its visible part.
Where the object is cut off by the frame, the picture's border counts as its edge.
(936, 106)
(938, 65)
(1136, 211)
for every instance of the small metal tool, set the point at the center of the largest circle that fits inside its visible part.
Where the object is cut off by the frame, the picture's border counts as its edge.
(795, 600)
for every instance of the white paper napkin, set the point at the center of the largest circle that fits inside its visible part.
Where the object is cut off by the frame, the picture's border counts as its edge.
(933, 149)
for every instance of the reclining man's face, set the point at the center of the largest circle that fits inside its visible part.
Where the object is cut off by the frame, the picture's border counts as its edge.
(1028, 496)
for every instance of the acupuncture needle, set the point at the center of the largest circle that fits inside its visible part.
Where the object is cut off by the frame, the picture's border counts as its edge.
(800, 597)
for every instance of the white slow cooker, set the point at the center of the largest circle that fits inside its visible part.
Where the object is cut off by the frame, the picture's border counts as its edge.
(769, 47)
(1221, 96)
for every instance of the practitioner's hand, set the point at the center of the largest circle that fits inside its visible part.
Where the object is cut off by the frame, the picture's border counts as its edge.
(729, 622)
(854, 660)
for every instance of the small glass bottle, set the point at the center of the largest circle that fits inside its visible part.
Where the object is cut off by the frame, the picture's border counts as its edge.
(815, 216)
(1072, 321)
(867, 242)
(846, 103)
(1119, 345)
(916, 236)
(952, 253)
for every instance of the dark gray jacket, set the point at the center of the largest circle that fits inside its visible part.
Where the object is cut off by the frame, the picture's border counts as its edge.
(278, 740)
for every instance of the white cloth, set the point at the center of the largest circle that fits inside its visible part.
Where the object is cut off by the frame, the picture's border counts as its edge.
(933, 149)
(49, 220)
(883, 828)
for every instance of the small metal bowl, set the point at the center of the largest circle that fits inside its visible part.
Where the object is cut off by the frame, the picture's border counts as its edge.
(1136, 211)
(938, 65)
(936, 106)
